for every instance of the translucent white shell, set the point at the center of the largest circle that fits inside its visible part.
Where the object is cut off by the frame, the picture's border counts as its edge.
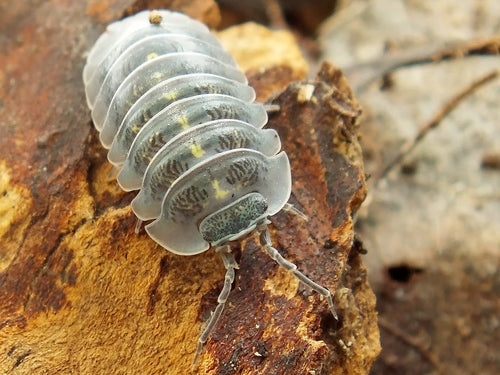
(162, 95)
(182, 126)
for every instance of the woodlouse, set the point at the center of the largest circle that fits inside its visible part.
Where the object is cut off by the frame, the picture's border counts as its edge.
(181, 126)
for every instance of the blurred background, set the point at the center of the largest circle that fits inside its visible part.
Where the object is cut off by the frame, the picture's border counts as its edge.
(424, 73)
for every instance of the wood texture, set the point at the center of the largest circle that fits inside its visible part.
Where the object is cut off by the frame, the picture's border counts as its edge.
(80, 292)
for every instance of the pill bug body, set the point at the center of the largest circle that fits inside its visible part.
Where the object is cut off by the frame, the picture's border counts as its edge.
(165, 93)
(182, 127)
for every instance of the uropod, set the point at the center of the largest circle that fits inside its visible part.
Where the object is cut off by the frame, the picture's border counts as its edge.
(182, 126)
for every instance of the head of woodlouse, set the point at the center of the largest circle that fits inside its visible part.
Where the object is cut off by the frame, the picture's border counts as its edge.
(221, 202)
(236, 220)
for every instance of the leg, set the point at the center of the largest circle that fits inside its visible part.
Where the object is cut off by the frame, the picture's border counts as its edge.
(231, 265)
(271, 108)
(138, 225)
(265, 239)
(113, 172)
(291, 208)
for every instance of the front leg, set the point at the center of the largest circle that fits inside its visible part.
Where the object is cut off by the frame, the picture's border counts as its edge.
(231, 265)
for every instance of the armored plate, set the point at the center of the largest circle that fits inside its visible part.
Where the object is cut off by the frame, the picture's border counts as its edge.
(210, 186)
(177, 117)
(158, 98)
(193, 147)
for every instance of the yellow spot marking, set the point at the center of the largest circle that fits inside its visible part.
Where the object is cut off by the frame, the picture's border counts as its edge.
(135, 128)
(184, 122)
(171, 96)
(219, 192)
(197, 151)
(157, 76)
(136, 90)
(151, 56)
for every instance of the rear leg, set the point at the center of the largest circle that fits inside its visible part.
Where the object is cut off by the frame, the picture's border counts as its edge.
(231, 265)
(265, 240)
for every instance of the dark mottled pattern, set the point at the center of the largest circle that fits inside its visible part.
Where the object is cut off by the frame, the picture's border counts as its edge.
(222, 111)
(137, 123)
(209, 88)
(188, 202)
(166, 174)
(244, 172)
(147, 152)
(234, 219)
(234, 140)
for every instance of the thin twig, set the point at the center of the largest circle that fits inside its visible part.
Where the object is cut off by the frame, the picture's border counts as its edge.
(406, 338)
(485, 46)
(362, 75)
(433, 123)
